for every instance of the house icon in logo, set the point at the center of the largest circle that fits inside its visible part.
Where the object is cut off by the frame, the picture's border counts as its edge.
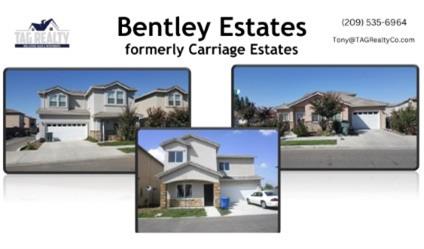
(49, 25)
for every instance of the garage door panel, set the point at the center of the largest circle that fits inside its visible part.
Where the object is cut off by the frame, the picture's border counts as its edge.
(366, 119)
(238, 191)
(68, 132)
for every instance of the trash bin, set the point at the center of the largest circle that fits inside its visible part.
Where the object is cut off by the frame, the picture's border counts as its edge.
(345, 128)
(225, 202)
(49, 136)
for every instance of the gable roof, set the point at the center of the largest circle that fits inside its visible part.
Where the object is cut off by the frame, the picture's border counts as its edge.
(13, 111)
(412, 99)
(187, 164)
(62, 89)
(202, 139)
(106, 86)
(85, 93)
(161, 90)
(347, 98)
(144, 151)
(43, 25)
(182, 140)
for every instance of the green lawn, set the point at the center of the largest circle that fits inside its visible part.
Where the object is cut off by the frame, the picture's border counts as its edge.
(172, 212)
(309, 142)
(117, 143)
(127, 150)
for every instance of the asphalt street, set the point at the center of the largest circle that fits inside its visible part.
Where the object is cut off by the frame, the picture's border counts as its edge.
(247, 223)
(348, 158)
(15, 143)
(120, 164)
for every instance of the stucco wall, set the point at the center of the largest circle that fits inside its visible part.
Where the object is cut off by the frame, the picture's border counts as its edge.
(147, 170)
(14, 120)
(239, 166)
(150, 102)
(202, 153)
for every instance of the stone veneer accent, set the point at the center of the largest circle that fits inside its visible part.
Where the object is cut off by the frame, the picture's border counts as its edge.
(190, 202)
(95, 135)
(164, 203)
(217, 194)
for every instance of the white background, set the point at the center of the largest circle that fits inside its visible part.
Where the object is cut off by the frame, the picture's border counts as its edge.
(319, 209)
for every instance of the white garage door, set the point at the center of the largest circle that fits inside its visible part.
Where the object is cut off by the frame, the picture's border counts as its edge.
(68, 132)
(366, 120)
(238, 190)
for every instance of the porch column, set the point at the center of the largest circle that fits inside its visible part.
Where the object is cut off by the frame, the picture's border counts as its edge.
(217, 194)
(102, 130)
(164, 203)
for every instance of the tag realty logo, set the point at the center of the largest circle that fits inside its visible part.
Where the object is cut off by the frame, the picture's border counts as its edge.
(46, 34)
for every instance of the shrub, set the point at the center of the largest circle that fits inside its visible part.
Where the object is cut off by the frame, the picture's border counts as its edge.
(178, 118)
(405, 121)
(156, 117)
(91, 139)
(127, 124)
(42, 140)
(301, 130)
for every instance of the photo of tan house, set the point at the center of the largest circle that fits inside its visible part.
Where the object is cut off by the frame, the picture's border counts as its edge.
(361, 113)
(333, 116)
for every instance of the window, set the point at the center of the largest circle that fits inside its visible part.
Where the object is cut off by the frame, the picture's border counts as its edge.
(53, 100)
(62, 100)
(115, 97)
(111, 98)
(174, 99)
(337, 117)
(119, 97)
(57, 100)
(175, 156)
(177, 99)
(285, 116)
(184, 191)
(316, 117)
(224, 166)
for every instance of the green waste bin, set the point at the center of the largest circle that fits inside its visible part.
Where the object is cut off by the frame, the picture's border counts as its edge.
(345, 128)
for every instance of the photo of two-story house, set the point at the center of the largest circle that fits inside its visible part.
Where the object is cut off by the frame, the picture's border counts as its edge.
(75, 115)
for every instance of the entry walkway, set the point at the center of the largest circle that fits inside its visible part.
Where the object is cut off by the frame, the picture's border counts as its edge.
(212, 212)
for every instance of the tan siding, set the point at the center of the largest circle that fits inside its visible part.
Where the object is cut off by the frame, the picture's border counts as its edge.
(148, 168)
(14, 120)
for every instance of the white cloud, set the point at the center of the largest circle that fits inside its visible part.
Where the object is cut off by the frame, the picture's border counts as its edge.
(267, 132)
(158, 153)
(263, 165)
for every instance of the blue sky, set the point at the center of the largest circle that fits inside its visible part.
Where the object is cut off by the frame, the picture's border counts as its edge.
(22, 86)
(259, 143)
(271, 86)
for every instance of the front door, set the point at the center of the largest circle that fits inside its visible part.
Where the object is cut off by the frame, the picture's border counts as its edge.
(299, 117)
(208, 193)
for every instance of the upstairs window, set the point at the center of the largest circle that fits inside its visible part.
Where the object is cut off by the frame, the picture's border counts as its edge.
(57, 100)
(175, 156)
(224, 166)
(174, 99)
(115, 97)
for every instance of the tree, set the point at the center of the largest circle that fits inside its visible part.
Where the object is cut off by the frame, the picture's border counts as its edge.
(178, 118)
(268, 186)
(156, 117)
(327, 106)
(127, 124)
(264, 114)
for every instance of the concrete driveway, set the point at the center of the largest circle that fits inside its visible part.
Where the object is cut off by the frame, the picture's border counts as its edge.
(66, 151)
(378, 139)
(242, 208)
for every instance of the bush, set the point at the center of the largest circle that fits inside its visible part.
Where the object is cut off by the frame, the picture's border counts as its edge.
(300, 130)
(91, 139)
(156, 117)
(42, 140)
(405, 121)
(178, 118)
(337, 126)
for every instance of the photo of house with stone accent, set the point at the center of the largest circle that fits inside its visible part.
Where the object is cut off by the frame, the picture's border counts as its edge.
(188, 173)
